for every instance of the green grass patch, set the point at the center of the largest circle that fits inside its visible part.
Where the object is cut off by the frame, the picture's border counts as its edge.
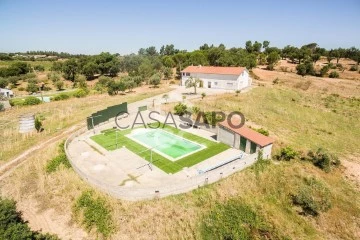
(94, 213)
(108, 140)
(60, 159)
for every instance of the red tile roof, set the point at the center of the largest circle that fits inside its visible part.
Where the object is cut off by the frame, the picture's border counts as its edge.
(214, 70)
(248, 133)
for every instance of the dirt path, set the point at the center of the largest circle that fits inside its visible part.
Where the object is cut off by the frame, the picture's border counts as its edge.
(352, 170)
(49, 221)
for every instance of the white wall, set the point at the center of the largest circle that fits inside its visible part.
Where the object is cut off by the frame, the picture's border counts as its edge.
(221, 81)
(267, 151)
(244, 80)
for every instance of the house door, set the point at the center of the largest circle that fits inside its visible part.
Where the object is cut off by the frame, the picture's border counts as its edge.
(242, 144)
(209, 84)
(252, 147)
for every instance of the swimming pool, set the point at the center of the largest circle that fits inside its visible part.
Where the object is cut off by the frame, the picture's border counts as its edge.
(165, 143)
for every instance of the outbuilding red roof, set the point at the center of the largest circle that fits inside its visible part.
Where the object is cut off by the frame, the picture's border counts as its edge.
(248, 133)
(214, 70)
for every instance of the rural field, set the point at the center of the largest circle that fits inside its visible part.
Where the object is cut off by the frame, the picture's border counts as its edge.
(303, 118)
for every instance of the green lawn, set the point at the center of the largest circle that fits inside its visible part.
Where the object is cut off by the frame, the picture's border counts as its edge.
(108, 140)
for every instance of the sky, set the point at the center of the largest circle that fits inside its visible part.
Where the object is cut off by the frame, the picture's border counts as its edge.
(91, 27)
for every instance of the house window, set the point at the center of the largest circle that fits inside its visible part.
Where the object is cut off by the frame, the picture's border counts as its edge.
(187, 74)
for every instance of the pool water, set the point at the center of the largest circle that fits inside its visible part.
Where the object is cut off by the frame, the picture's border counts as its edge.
(165, 143)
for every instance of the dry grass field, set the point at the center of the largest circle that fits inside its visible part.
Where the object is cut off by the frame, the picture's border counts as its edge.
(322, 113)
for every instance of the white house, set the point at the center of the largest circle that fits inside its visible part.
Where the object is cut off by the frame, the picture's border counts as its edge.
(245, 139)
(232, 78)
(6, 93)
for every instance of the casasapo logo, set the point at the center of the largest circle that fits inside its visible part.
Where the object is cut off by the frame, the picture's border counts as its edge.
(234, 120)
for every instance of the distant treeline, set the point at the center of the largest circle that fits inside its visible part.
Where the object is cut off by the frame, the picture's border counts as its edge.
(150, 61)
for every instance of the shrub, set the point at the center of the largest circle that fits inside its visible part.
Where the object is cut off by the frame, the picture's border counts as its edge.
(3, 82)
(212, 118)
(32, 87)
(180, 109)
(276, 81)
(287, 153)
(354, 68)
(2, 107)
(94, 212)
(38, 124)
(60, 159)
(324, 70)
(16, 102)
(203, 95)
(61, 96)
(270, 67)
(80, 93)
(195, 110)
(59, 84)
(313, 197)
(31, 101)
(306, 68)
(323, 159)
(29, 75)
(46, 88)
(334, 74)
(21, 89)
(39, 68)
(262, 131)
(234, 220)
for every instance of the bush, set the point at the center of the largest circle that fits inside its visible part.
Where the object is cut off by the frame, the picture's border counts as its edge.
(13, 226)
(287, 153)
(2, 107)
(354, 68)
(32, 87)
(203, 95)
(38, 124)
(262, 131)
(324, 70)
(323, 159)
(180, 109)
(80, 93)
(96, 213)
(195, 110)
(3, 82)
(234, 220)
(62, 96)
(39, 68)
(276, 81)
(211, 118)
(16, 102)
(270, 67)
(313, 197)
(21, 89)
(29, 75)
(31, 101)
(60, 159)
(334, 74)
(59, 84)
(306, 68)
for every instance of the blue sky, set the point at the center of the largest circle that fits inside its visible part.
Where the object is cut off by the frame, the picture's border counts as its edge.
(123, 27)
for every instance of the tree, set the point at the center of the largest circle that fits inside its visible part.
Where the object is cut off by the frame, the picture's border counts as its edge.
(70, 69)
(273, 58)
(266, 44)
(203, 95)
(249, 46)
(315, 57)
(54, 77)
(168, 62)
(146, 70)
(89, 70)
(192, 82)
(151, 51)
(168, 73)
(155, 80)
